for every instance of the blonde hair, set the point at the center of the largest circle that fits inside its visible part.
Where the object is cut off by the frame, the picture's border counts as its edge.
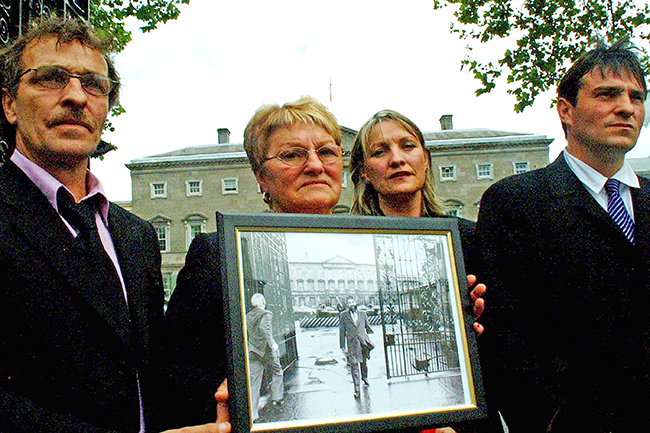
(366, 199)
(270, 117)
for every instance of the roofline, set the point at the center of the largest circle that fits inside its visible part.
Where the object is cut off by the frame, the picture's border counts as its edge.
(488, 140)
(430, 144)
(189, 158)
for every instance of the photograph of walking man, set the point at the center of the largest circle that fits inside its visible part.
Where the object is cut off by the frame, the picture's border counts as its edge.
(355, 344)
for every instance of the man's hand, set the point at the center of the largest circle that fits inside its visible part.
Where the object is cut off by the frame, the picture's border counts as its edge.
(205, 428)
(439, 430)
(478, 303)
(223, 416)
(223, 412)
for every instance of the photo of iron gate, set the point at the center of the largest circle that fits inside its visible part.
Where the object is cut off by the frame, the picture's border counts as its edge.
(415, 309)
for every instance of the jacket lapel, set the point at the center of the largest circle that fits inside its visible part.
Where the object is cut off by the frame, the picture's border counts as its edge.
(130, 254)
(641, 203)
(36, 221)
(573, 199)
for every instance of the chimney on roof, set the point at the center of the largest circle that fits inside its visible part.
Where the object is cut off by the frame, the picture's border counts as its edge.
(447, 122)
(224, 135)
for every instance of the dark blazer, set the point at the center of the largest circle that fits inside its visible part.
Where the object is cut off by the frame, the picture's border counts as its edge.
(351, 334)
(67, 359)
(567, 320)
(195, 335)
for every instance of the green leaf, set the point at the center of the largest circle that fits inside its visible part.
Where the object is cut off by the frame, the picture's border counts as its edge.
(546, 37)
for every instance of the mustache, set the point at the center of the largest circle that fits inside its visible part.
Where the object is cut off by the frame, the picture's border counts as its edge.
(75, 117)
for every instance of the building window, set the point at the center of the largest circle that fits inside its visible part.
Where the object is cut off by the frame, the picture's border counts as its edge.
(194, 224)
(194, 188)
(158, 189)
(168, 285)
(447, 173)
(484, 171)
(193, 229)
(344, 179)
(162, 226)
(520, 167)
(163, 238)
(230, 185)
(453, 208)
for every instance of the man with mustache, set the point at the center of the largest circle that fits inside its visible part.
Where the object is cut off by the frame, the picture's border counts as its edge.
(567, 257)
(79, 276)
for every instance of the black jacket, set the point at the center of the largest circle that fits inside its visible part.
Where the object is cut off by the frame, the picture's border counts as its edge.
(567, 316)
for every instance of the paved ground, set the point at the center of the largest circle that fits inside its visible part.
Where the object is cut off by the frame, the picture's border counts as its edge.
(319, 388)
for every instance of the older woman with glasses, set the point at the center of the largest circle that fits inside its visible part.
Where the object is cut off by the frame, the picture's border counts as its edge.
(296, 155)
(295, 152)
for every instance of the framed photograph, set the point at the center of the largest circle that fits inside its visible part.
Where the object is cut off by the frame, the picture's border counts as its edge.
(347, 323)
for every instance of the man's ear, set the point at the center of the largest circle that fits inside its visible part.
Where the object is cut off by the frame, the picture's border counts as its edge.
(565, 111)
(8, 106)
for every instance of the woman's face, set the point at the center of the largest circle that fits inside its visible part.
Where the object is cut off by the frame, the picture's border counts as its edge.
(312, 187)
(396, 163)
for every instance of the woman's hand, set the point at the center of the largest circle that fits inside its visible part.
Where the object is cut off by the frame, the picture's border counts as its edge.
(478, 303)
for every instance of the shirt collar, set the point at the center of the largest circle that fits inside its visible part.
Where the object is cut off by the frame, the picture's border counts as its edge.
(595, 181)
(50, 186)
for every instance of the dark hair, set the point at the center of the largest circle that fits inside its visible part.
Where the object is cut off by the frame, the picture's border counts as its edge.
(65, 31)
(617, 58)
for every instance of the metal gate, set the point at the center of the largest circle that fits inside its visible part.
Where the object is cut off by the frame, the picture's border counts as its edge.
(415, 310)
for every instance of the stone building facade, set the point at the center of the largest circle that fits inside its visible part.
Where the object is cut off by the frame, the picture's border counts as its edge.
(330, 283)
(467, 162)
(179, 192)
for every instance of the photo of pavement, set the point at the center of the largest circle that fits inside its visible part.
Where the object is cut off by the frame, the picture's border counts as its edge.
(319, 389)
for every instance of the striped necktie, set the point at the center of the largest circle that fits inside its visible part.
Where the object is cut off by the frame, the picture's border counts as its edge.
(616, 208)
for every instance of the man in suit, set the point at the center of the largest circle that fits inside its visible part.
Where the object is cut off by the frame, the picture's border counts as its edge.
(263, 353)
(80, 277)
(567, 260)
(355, 343)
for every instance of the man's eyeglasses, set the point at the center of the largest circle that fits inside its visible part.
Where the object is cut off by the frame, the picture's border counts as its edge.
(53, 77)
(297, 156)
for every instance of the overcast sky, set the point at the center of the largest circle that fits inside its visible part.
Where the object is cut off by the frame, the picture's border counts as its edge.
(319, 247)
(215, 65)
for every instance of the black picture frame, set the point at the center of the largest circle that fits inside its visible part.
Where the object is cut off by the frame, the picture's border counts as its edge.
(424, 370)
